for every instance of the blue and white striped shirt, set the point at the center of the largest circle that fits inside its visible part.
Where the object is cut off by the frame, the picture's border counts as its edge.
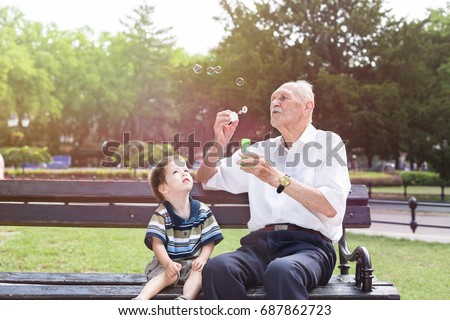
(183, 238)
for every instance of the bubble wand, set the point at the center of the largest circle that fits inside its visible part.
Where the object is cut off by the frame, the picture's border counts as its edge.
(235, 115)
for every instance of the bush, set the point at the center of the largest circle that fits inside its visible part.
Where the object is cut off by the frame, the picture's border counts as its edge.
(375, 178)
(19, 156)
(421, 178)
(78, 174)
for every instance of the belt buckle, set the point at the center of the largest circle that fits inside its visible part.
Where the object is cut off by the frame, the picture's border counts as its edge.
(279, 227)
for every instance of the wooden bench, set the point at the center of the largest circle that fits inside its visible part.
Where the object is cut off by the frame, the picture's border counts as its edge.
(109, 204)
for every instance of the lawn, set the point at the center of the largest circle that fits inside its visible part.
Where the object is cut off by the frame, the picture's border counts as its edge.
(421, 193)
(411, 190)
(418, 269)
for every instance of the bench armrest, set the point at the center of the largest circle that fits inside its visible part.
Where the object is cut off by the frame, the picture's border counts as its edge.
(363, 272)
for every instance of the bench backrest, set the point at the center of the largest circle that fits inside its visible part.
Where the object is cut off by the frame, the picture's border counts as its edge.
(127, 204)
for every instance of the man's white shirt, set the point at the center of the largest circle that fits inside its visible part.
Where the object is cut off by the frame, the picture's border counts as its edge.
(317, 159)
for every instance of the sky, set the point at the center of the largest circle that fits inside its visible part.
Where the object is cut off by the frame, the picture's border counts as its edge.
(191, 20)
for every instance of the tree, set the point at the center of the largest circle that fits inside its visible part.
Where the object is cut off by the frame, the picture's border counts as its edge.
(25, 84)
(147, 51)
(413, 56)
(279, 41)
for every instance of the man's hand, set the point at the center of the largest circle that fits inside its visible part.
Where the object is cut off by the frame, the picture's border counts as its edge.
(222, 131)
(258, 166)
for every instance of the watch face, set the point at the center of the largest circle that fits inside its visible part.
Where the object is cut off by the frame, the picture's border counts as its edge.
(285, 181)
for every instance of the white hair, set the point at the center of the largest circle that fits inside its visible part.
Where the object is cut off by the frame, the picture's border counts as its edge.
(303, 88)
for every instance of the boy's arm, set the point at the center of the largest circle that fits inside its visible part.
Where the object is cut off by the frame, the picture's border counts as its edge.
(172, 268)
(207, 249)
(199, 263)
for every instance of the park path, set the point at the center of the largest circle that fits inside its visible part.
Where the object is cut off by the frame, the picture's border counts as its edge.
(399, 212)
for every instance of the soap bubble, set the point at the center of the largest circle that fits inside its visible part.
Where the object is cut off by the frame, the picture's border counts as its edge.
(240, 81)
(213, 58)
(210, 70)
(243, 110)
(197, 68)
(218, 69)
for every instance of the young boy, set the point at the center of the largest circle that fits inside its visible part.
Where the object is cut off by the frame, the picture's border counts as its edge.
(182, 232)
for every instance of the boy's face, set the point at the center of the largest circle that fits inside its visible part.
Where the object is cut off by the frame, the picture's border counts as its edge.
(178, 178)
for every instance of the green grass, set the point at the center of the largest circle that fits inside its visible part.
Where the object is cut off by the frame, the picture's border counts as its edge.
(82, 249)
(411, 190)
(418, 269)
(421, 193)
(369, 174)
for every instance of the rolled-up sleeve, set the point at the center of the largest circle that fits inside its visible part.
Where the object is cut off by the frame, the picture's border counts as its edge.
(229, 177)
(333, 180)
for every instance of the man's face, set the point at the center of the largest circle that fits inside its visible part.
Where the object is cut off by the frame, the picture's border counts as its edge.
(286, 108)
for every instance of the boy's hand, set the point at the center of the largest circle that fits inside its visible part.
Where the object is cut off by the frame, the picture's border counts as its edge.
(198, 264)
(172, 268)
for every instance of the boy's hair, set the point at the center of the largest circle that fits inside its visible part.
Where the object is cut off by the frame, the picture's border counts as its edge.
(157, 175)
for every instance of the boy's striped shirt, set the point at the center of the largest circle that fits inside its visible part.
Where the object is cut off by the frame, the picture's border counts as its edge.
(183, 238)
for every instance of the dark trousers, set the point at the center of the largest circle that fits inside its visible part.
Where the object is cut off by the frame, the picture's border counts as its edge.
(287, 263)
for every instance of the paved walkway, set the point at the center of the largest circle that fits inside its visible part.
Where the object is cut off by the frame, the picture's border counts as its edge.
(426, 215)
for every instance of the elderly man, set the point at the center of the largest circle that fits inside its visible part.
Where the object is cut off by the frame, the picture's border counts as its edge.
(297, 185)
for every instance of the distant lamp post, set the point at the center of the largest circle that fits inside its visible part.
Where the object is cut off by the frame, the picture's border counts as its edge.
(18, 135)
(25, 121)
(66, 138)
(13, 120)
(66, 142)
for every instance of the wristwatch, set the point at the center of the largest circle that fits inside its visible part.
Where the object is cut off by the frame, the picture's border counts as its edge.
(284, 182)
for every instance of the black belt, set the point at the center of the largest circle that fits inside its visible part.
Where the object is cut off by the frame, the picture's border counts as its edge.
(292, 227)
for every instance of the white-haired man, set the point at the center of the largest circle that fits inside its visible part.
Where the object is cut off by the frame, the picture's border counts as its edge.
(297, 185)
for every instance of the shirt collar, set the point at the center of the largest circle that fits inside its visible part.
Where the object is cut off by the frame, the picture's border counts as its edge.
(308, 135)
(176, 219)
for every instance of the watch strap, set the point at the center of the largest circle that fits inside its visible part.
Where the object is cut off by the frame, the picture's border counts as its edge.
(281, 187)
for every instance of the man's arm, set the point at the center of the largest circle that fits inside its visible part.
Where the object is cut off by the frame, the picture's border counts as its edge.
(223, 133)
(310, 197)
(208, 168)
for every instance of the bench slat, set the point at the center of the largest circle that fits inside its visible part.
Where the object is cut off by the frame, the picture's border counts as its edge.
(116, 278)
(72, 278)
(132, 216)
(339, 287)
(121, 191)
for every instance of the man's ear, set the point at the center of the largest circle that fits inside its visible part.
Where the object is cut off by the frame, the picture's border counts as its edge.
(309, 106)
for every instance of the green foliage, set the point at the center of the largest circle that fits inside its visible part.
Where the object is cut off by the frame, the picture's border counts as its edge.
(440, 161)
(78, 174)
(375, 178)
(381, 83)
(421, 178)
(19, 156)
